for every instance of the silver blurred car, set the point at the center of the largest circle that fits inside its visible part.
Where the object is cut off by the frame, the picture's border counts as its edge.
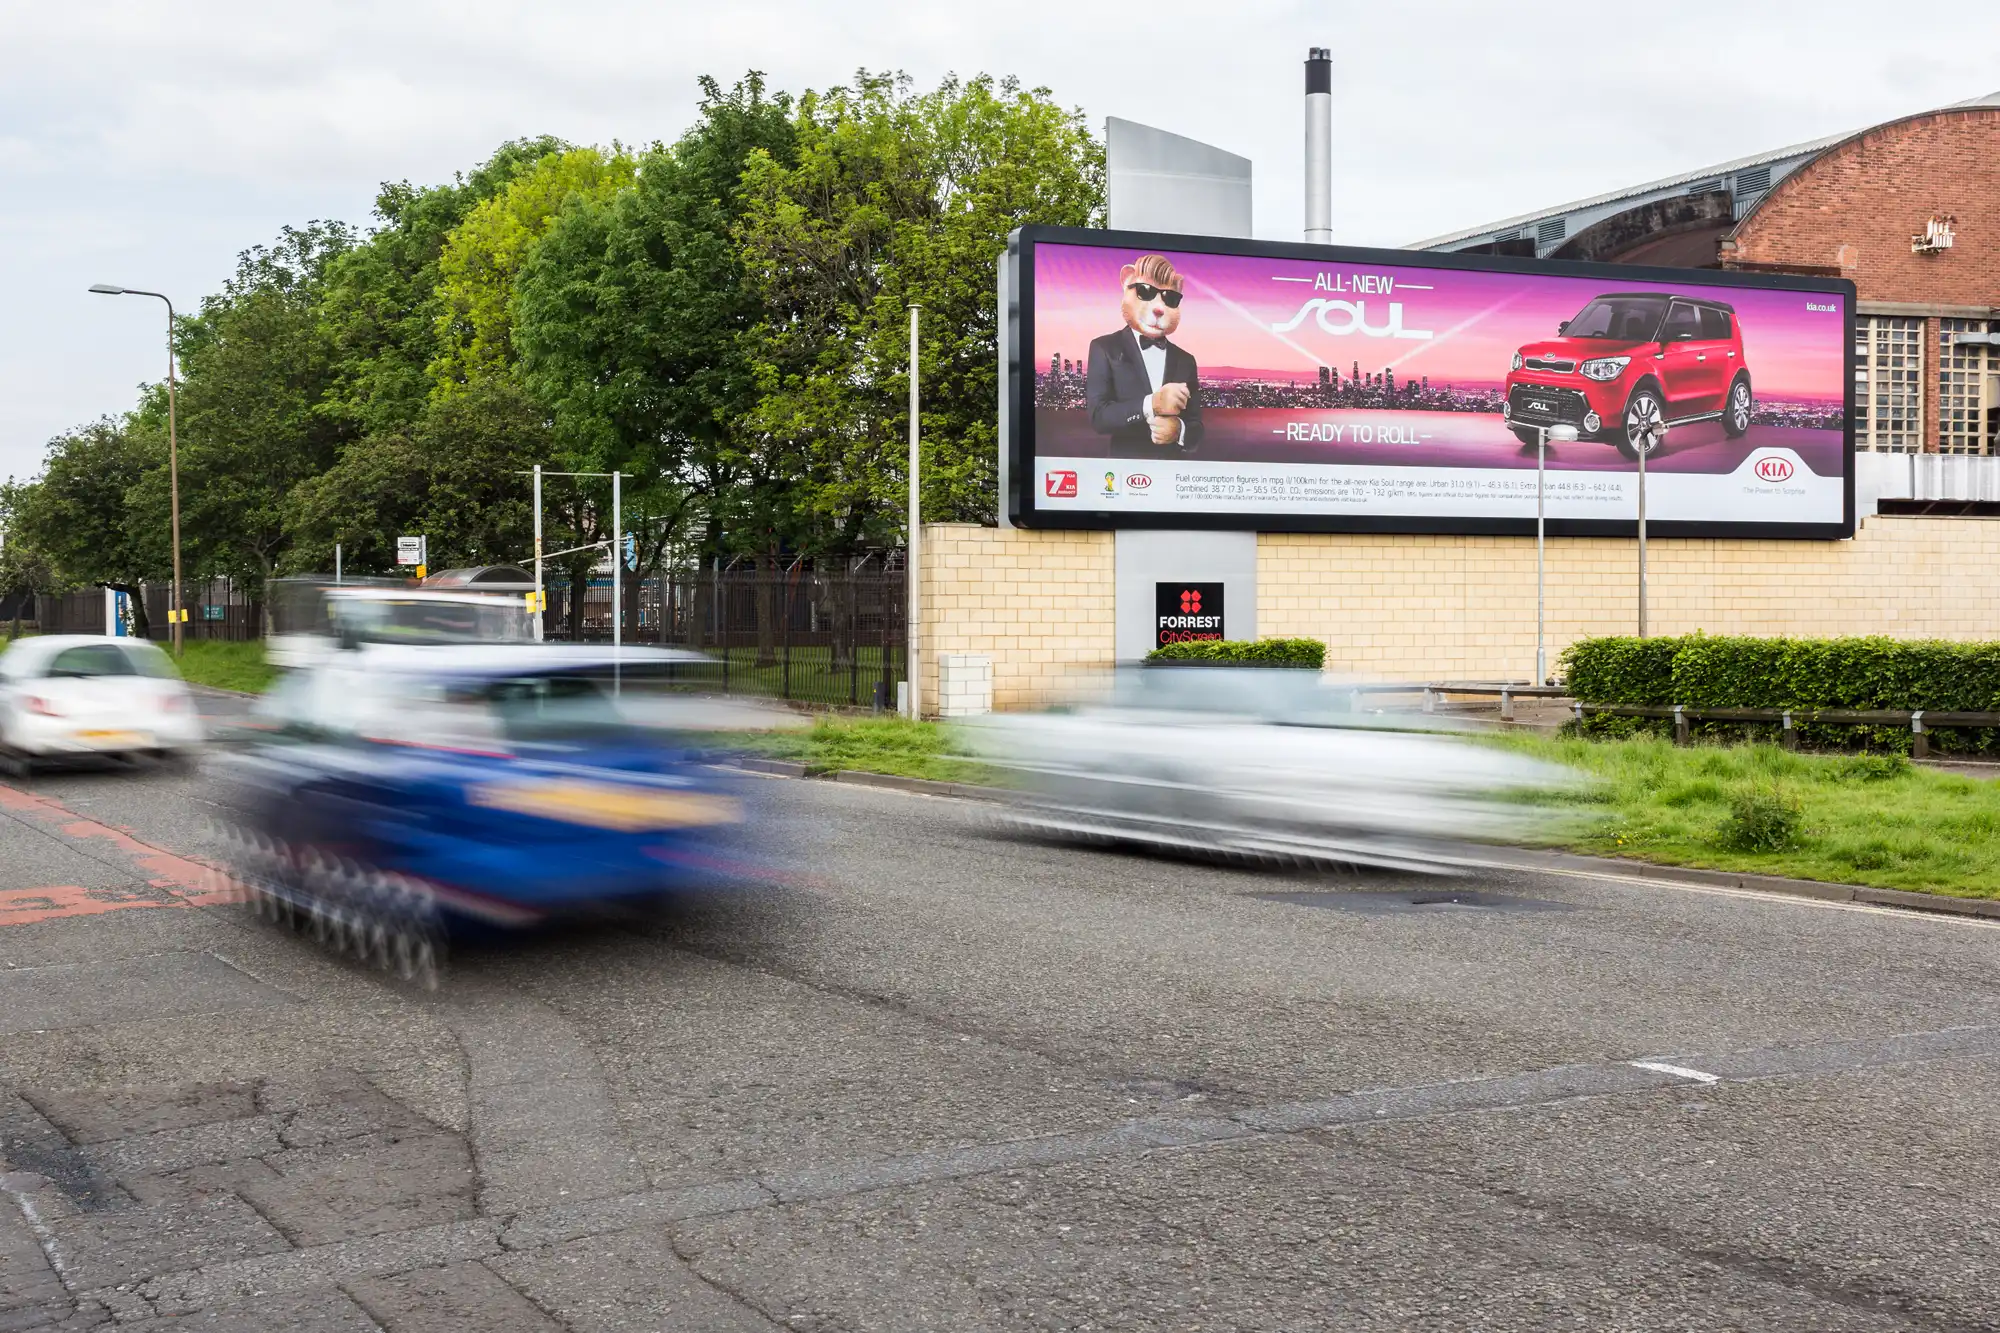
(1264, 765)
(64, 695)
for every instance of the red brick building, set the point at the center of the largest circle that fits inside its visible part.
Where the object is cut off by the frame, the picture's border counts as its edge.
(1909, 210)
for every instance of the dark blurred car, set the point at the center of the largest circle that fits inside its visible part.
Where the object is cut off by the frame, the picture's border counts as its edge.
(398, 796)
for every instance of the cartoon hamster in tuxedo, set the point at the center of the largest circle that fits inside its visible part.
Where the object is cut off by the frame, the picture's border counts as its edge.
(1141, 389)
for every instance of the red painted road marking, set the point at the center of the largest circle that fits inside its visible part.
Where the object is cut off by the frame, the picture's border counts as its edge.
(173, 881)
(18, 907)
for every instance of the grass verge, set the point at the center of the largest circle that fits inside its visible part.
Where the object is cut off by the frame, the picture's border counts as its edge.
(873, 745)
(1849, 819)
(227, 666)
(1852, 819)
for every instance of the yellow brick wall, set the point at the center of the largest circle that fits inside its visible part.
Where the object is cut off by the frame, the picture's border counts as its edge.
(1441, 608)
(1038, 603)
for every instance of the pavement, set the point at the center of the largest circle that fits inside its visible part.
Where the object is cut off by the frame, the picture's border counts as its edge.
(939, 1078)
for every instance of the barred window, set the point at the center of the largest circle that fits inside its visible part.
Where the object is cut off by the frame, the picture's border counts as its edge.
(1964, 370)
(1888, 383)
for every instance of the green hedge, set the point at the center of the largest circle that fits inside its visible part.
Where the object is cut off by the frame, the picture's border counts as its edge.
(1705, 671)
(1244, 652)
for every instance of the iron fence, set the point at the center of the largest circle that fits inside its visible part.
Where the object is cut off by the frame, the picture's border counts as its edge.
(217, 609)
(827, 631)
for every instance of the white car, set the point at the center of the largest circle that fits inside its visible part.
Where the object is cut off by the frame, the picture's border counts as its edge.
(75, 694)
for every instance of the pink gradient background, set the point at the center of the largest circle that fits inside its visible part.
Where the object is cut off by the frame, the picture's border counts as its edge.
(1477, 319)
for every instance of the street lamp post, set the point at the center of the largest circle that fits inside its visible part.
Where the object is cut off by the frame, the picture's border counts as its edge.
(173, 454)
(1562, 435)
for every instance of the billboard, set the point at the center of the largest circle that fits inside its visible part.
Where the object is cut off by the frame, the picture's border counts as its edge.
(1186, 382)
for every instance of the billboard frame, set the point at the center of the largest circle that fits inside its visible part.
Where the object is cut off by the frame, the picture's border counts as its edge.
(1017, 418)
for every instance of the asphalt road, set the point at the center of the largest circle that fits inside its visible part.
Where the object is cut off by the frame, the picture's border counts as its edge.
(942, 1080)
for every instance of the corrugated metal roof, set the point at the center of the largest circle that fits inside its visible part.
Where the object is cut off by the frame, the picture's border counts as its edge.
(1811, 146)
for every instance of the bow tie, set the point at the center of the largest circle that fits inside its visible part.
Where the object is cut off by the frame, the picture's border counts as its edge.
(1150, 343)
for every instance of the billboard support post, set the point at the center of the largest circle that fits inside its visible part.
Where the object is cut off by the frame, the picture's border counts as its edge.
(1562, 435)
(1642, 541)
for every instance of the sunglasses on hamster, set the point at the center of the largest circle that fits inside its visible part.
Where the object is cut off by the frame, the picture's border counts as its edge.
(1147, 292)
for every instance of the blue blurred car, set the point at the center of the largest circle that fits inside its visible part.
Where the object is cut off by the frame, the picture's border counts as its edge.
(394, 797)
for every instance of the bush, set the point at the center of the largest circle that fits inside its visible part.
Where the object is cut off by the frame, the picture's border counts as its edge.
(1762, 819)
(1705, 671)
(1308, 653)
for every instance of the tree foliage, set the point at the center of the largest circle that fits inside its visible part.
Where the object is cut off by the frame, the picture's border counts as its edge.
(722, 318)
(898, 199)
(485, 252)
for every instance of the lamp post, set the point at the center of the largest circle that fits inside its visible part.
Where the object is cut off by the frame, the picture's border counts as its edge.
(1562, 435)
(173, 453)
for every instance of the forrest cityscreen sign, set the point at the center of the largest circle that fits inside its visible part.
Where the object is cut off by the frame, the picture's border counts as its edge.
(1173, 381)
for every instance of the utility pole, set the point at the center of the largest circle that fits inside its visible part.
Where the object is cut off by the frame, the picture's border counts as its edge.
(617, 584)
(539, 615)
(916, 529)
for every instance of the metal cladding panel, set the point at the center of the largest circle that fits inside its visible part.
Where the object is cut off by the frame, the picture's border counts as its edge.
(1156, 181)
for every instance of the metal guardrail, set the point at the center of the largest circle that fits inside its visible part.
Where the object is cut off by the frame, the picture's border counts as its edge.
(1918, 720)
(1434, 692)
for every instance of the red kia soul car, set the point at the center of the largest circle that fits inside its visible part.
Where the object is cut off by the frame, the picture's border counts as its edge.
(1628, 366)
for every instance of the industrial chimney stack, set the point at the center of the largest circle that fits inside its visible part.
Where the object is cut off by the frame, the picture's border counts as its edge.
(1319, 146)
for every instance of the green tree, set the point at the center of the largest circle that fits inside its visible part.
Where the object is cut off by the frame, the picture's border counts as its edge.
(255, 419)
(896, 199)
(381, 303)
(633, 317)
(455, 477)
(484, 254)
(89, 519)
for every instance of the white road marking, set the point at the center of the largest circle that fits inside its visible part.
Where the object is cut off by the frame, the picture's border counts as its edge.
(1678, 1071)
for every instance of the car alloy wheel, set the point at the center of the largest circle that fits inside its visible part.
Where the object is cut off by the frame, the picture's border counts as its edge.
(1645, 423)
(1739, 409)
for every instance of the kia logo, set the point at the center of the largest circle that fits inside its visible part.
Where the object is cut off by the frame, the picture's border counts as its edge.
(1138, 481)
(1060, 485)
(1774, 469)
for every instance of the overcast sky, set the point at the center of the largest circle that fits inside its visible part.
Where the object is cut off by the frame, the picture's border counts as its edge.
(146, 144)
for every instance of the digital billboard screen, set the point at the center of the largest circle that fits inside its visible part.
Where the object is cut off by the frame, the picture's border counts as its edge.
(1160, 381)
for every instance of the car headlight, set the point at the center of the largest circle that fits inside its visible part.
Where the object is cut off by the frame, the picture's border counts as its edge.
(1517, 360)
(1605, 367)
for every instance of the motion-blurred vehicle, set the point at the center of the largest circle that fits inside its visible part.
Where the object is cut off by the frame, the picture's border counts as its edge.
(316, 619)
(1267, 766)
(401, 795)
(66, 695)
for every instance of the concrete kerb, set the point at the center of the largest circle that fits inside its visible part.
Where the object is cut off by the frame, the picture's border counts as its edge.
(1525, 858)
